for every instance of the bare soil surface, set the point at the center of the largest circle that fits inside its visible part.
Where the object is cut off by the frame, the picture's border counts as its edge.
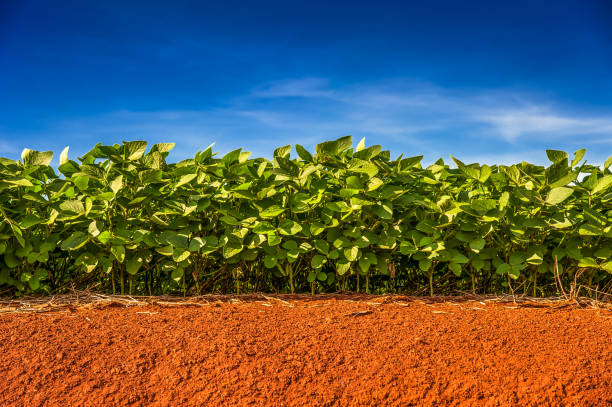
(302, 351)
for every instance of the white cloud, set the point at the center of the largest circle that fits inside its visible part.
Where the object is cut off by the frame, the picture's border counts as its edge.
(405, 116)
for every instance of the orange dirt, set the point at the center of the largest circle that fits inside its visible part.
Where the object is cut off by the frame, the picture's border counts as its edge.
(309, 352)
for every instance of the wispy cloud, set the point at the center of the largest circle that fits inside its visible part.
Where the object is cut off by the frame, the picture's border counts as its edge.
(405, 116)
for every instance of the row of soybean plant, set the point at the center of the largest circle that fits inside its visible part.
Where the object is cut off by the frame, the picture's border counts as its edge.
(123, 219)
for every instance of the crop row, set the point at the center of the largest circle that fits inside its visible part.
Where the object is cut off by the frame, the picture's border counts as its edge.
(122, 219)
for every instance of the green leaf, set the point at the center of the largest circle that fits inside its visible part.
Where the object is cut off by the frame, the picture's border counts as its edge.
(578, 155)
(81, 182)
(303, 153)
(503, 269)
(179, 255)
(602, 184)
(134, 149)
(133, 264)
(558, 195)
(230, 220)
(118, 252)
(163, 147)
(177, 274)
(177, 240)
(351, 253)
(230, 250)
(556, 156)
(73, 206)
(263, 228)
(11, 261)
(455, 268)
(31, 220)
(33, 157)
(342, 267)
(64, 156)
(364, 265)
(384, 210)
(317, 261)
(74, 241)
(165, 250)
(535, 259)
(374, 184)
(338, 206)
(289, 227)
(20, 181)
(196, 244)
(273, 239)
(322, 246)
(271, 211)
(425, 264)
(477, 244)
(116, 184)
(105, 237)
(270, 261)
(588, 262)
(590, 230)
(516, 259)
(282, 152)
(185, 179)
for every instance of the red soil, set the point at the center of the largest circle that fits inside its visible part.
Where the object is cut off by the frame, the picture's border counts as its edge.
(322, 352)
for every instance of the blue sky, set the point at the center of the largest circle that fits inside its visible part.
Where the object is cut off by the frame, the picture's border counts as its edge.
(494, 82)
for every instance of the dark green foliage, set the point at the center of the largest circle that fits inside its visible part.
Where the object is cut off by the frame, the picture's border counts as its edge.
(124, 220)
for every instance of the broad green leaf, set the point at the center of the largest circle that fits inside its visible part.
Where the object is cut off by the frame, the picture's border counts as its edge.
(116, 184)
(134, 149)
(180, 255)
(351, 253)
(588, 262)
(31, 220)
(289, 227)
(118, 252)
(558, 195)
(303, 153)
(322, 246)
(283, 151)
(73, 206)
(263, 228)
(317, 261)
(477, 244)
(165, 250)
(230, 220)
(578, 155)
(24, 182)
(602, 184)
(342, 267)
(74, 241)
(231, 250)
(64, 156)
(556, 156)
(133, 264)
(360, 145)
(185, 179)
(271, 211)
(270, 261)
(177, 240)
(425, 264)
(33, 157)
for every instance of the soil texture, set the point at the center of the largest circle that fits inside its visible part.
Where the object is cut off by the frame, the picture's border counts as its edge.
(309, 351)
